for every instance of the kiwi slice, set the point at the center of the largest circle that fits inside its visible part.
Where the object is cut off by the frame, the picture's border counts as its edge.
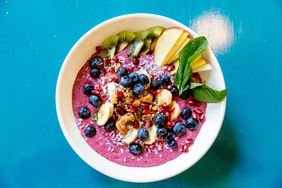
(153, 44)
(124, 38)
(135, 48)
(142, 34)
(155, 32)
(146, 47)
(109, 44)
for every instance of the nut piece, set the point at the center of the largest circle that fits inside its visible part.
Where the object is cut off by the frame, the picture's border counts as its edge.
(147, 98)
(121, 123)
(136, 103)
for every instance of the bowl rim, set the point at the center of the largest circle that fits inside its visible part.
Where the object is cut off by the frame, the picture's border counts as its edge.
(68, 136)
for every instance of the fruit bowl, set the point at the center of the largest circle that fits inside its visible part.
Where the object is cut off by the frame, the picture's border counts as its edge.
(77, 57)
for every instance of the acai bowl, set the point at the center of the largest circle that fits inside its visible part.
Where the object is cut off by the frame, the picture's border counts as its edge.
(128, 107)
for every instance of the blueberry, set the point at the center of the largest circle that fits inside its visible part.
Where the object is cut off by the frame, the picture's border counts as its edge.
(179, 129)
(90, 131)
(192, 124)
(172, 143)
(155, 84)
(135, 149)
(161, 131)
(94, 100)
(84, 112)
(186, 113)
(160, 120)
(174, 91)
(95, 62)
(143, 134)
(122, 72)
(165, 79)
(95, 73)
(185, 95)
(110, 125)
(87, 89)
(168, 136)
(125, 81)
(134, 77)
(138, 89)
(144, 79)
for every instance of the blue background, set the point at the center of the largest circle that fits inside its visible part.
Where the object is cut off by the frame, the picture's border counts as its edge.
(35, 37)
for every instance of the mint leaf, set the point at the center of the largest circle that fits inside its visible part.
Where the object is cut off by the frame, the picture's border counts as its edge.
(95, 117)
(187, 55)
(204, 93)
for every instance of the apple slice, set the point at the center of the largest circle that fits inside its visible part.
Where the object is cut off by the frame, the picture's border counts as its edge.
(175, 48)
(175, 56)
(165, 44)
(200, 61)
(203, 68)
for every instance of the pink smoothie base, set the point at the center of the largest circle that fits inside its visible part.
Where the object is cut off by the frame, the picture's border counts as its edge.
(107, 144)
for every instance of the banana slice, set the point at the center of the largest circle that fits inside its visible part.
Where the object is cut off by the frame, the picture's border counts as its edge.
(164, 97)
(176, 65)
(112, 92)
(175, 113)
(152, 135)
(130, 136)
(143, 71)
(104, 113)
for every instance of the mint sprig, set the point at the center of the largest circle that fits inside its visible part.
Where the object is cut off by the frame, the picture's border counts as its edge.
(200, 92)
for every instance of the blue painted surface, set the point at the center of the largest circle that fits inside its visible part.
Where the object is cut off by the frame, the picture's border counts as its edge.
(35, 36)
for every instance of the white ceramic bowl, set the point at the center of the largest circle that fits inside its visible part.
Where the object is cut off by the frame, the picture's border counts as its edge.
(77, 57)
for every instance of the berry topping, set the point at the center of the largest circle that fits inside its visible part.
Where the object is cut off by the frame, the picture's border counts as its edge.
(110, 125)
(160, 120)
(135, 149)
(94, 100)
(162, 131)
(122, 72)
(90, 131)
(186, 113)
(174, 91)
(165, 79)
(95, 73)
(84, 112)
(138, 89)
(95, 63)
(125, 81)
(143, 134)
(155, 84)
(179, 129)
(185, 95)
(192, 124)
(87, 89)
(134, 77)
(143, 79)
(172, 143)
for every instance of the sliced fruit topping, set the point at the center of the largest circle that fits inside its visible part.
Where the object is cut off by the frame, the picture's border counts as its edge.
(164, 97)
(90, 131)
(112, 92)
(176, 110)
(110, 44)
(105, 112)
(155, 32)
(94, 100)
(152, 135)
(135, 149)
(192, 124)
(179, 129)
(130, 136)
(84, 112)
(135, 48)
(167, 43)
(124, 38)
(87, 89)
(146, 47)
